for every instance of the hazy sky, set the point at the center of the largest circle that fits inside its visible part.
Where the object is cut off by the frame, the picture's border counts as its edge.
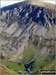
(9, 2)
(50, 1)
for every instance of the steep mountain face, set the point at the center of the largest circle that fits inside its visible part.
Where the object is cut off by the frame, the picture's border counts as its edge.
(25, 24)
(42, 3)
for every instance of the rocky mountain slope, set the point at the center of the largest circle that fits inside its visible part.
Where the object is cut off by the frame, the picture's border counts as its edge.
(27, 30)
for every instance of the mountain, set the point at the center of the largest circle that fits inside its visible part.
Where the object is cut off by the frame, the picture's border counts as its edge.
(42, 3)
(27, 33)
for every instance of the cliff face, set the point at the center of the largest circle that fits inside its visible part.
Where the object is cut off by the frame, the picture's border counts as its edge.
(25, 24)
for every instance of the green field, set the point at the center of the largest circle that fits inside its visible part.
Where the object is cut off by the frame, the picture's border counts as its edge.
(13, 65)
(44, 63)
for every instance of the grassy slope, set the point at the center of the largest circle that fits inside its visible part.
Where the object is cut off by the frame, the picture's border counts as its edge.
(13, 65)
(4, 70)
(28, 53)
(44, 63)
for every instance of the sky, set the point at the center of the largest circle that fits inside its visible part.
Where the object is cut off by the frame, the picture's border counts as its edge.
(9, 2)
(50, 1)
